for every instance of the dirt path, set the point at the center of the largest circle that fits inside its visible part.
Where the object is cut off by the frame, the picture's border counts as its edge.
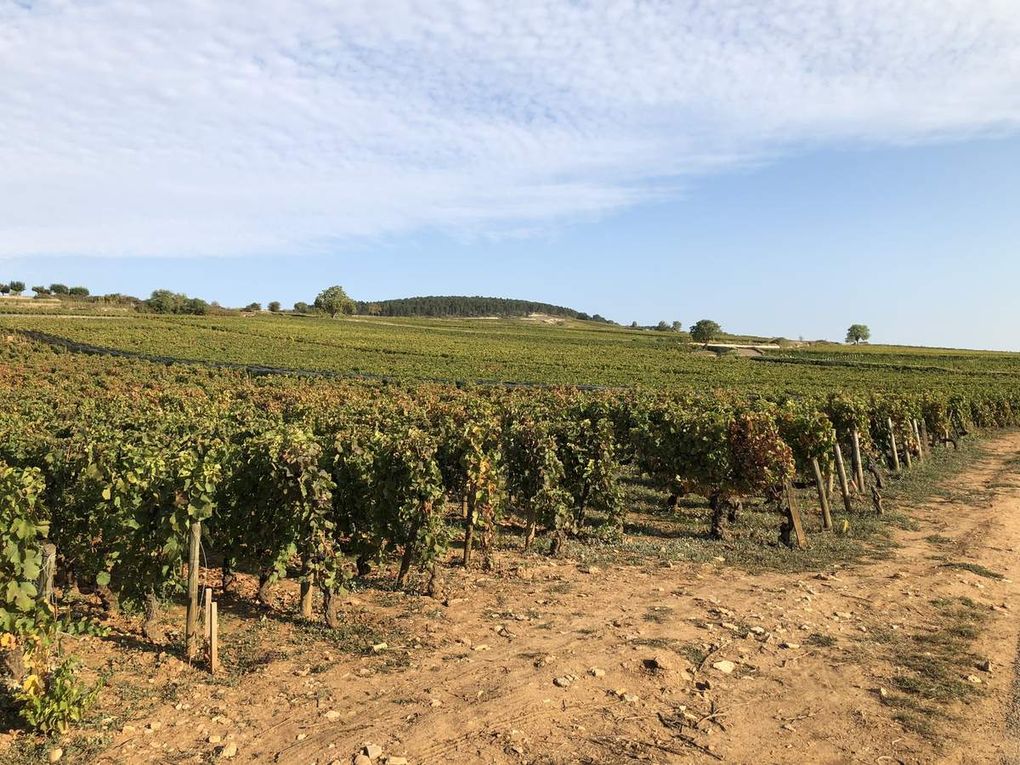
(812, 673)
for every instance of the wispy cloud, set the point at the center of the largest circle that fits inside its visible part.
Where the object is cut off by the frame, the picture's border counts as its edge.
(264, 126)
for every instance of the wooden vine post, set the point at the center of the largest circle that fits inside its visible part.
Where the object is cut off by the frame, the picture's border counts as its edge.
(858, 462)
(906, 447)
(920, 443)
(844, 484)
(823, 499)
(214, 639)
(191, 620)
(892, 446)
(795, 528)
(44, 584)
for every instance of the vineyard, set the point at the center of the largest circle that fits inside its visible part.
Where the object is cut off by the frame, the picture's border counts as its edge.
(120, 463)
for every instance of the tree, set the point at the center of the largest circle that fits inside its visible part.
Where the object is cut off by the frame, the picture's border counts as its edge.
(334, 300)
(4, 288)
(858, 333)
(17, 287)
(165, 301)
(253, 307)
(274, 306)
(677, 326)
(705, 330)
(40, 291)
(78, 292)
(58, 289)
(662, 327)
(302, 307)
(633, 325)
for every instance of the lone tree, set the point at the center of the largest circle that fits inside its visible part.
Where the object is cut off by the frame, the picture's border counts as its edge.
(704, 331)
(334, 300)
(858, 333)
(17, 287)
(274, 306)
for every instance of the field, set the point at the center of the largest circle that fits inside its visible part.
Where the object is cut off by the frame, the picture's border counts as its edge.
(562, 352)
(503, 541)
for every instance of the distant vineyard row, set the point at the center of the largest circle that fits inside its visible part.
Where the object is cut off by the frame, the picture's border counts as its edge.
(517, 351)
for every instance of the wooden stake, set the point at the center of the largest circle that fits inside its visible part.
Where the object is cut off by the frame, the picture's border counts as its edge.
(191, 620)
(44, 584)
(892, 446)
(799, 538)
(823, 500)
(906, 449)
(207, 613)
(214, 640)
(924, 435)
(858, 462)
(844, 484)
(920, 443)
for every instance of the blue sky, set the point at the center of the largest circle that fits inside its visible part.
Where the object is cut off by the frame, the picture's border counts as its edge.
(784, 167)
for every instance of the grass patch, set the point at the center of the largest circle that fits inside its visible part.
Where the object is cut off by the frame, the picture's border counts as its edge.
(974, 568)
(933, 666)
(820, 641)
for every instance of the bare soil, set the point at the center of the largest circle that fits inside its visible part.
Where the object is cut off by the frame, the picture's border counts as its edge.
(551, 662)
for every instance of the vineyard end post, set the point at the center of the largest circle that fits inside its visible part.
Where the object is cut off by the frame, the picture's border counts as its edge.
(844, 483)
(823, 500)
(892, 446)
(191, 623)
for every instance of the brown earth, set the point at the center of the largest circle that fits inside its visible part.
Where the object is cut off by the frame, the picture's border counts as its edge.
(477, 679)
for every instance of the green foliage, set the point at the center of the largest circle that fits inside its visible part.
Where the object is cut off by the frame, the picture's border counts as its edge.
(49, 697)
(334, 300)
(705, 331)
(165, 301)
(453, 305)
(858, 333)
(51, 704)
(23, 530)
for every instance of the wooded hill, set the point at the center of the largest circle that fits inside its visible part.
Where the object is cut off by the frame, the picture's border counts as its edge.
(456, 305)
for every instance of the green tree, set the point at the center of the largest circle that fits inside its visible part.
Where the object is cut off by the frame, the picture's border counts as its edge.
(4, 288)
(274, 306)
(858, 333)
(662, 327)
(253, 307)
(17, 287)
(40, 291)
(705, 330)
(58, 289)
(302, 307)
(78, 292)
(334, 300)
(165, 301)
(677, 326)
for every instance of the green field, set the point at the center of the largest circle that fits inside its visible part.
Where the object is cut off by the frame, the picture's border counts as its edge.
(515, 350)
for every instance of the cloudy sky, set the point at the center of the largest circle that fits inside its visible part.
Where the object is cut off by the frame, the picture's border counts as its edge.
(641, 159)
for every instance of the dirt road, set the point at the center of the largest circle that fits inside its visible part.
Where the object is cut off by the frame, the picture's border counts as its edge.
(552, 663)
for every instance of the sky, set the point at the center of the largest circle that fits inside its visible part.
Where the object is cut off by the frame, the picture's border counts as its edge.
(786, 168)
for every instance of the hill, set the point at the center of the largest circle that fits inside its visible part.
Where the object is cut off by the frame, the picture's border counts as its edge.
(461, 306)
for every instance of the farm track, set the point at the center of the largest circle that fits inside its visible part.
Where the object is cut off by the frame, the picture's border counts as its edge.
(471, 692)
